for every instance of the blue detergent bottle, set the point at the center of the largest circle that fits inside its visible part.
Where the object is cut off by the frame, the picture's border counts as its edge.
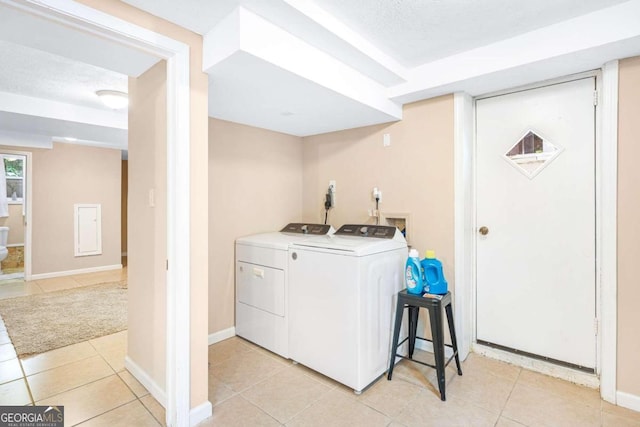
(413, 274)
(434, 281)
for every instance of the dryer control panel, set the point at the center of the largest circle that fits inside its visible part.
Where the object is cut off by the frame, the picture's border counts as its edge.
(300, 228)
(367, 230)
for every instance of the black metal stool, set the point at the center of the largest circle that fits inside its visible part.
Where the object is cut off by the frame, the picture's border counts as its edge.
(434, 304)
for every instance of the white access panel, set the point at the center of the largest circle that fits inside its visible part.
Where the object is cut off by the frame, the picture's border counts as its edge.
(87, 229)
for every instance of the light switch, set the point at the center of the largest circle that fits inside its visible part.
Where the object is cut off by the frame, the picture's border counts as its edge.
(386, 140)
(152, 198)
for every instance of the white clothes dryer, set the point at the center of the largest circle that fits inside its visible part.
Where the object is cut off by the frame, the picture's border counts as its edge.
(342, 300)
(262, 284)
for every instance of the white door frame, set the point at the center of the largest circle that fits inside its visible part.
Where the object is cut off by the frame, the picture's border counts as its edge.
(27, 203)
(606, 200)
(178, 351)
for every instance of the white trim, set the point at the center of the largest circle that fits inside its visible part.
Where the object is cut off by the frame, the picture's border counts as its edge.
(463, 220)
(628, 400)
(606, 226)
(29, 209)
(28, 221)
(222, 335)
(75, 272)
(76, 229)
(11, 276)
(15, 245)
(70, 13)
(143, 378)
(178, 239)
(606, 208)
(547, 368)
(200, 413)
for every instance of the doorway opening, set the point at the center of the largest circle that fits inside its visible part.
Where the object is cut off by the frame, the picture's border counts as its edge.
(15, 239)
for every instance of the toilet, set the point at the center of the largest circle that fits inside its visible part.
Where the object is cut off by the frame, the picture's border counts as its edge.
(4, 235)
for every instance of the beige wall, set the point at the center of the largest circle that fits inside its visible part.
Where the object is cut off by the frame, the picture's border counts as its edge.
(63, 176)
(123, 205)
(147, 234)
(15, 222)
(628, 227)
(255, 185)
(415, 175)
(199, 183)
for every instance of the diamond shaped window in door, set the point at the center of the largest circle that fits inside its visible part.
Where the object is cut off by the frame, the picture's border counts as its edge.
(532, 153)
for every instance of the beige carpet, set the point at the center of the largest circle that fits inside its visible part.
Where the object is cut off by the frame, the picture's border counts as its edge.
(50, 320)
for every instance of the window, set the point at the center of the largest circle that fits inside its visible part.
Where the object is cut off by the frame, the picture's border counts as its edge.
(531, 153)
(14, 171)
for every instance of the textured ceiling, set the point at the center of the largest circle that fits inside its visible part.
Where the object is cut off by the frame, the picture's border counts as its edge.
(31, 72)
(415, 32)
(32, 125)
(373, 37)
(199, 16)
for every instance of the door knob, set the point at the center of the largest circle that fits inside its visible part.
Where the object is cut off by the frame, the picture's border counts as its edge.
(483, 230)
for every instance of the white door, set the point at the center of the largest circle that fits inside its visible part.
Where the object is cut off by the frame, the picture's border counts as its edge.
(536, 221)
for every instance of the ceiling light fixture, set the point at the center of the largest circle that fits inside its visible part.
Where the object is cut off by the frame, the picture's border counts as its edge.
(113, 99)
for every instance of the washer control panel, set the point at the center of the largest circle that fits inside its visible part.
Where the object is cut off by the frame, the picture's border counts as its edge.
(367, 230)
(300, 228)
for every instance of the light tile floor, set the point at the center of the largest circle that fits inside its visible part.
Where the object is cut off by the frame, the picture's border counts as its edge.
(250, 386)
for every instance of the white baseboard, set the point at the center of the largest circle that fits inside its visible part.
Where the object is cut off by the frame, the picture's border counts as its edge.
(74, 272)
(628, 400)
(541, 366)
(222, 335)
(428, 346)
(196, 415)
(11, 276)
(156, 391)
(200, 413)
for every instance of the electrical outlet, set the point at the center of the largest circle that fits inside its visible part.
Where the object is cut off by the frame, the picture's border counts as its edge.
(332, 185)
(376, 194)
(386, 140)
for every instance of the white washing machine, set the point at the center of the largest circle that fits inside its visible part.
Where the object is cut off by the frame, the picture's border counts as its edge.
(342, 297)
(262, 284)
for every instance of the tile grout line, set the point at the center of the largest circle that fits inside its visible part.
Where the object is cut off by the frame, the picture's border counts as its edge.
(79, 386)
(260, 409)
(102, 413)
(161, 423)
(24, 377)
(297, 413)
(59, 366)
(509, 397)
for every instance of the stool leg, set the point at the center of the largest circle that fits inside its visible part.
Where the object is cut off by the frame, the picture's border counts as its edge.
(413, 328)
(396, 336)
(437, 337)
(452, 333)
